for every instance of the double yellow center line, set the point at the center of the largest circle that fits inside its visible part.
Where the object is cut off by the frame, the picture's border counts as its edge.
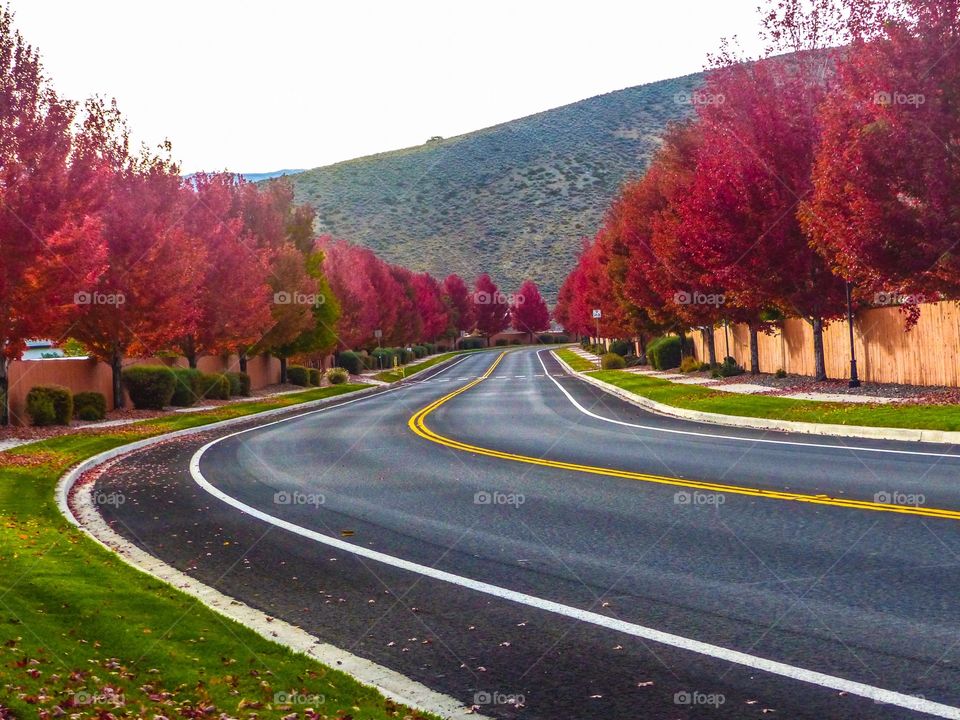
(417, 423)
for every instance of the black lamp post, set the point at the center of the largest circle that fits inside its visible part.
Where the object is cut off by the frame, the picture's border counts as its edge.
(854, 379)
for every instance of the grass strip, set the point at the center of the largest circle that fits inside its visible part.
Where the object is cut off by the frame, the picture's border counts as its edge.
(82, 631)
(577, 362)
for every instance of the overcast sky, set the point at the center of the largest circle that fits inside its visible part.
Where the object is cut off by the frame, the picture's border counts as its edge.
(258, 86)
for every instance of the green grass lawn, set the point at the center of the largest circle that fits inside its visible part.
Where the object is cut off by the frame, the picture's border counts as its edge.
(578, 363)
(79, 628)
(400, 373)
(691, 397)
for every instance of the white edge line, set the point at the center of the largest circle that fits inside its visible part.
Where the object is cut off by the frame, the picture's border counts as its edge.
(655, 407)
(389, 683)
(870, 692)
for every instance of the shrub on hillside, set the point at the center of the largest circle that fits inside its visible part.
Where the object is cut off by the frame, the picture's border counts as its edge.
(298, 375)
(49, 405)
(150, 386)
(612, 361)
(213, 386)
(186, 388)
(337, 376)
(89, 406)
(621, 347)
(664, 352)
(239, 384)
(350, 362)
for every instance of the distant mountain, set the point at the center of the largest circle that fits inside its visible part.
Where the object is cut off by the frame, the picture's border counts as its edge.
(513, 199)
(257, 177)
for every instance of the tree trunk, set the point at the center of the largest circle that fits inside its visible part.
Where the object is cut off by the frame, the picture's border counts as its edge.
(190, 352)
(283, 370)
(242, 358)
(754, 349)
(642, 355)
(708, 340)
(4, 386)
(683, 343)
(819, 363)
(116, 368)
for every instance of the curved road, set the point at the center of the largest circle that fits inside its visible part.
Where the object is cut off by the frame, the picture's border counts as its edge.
(549, 551)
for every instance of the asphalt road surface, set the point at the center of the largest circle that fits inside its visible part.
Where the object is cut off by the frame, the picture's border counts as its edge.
(540, 549)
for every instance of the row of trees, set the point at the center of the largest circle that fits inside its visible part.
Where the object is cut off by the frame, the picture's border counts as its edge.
(111, 246)
(797, 174)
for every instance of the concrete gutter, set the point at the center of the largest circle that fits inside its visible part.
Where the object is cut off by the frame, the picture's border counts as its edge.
(81, 511)
(852, 431)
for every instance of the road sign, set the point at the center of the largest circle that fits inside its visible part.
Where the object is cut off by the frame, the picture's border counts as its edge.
(597, 315)
(378, 333)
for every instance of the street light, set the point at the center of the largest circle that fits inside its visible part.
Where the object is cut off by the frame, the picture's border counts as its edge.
(854, 379)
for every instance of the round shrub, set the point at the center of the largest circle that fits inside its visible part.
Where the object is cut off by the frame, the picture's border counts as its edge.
(664, 352)
(337, 376)
(621, 347)
(406, 356)
(213, 386)
(186, 388)
(350, 362)
(150, 386)
(61, 402)
(315, 377)
(420, 351)
(239, 384)
(612, 361)
(471, 343)
(89, 406)
(382, 358)
(500, 342)
(41, 412)
(298, 375)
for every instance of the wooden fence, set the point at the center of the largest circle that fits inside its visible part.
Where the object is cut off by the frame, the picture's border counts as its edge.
(927, 354)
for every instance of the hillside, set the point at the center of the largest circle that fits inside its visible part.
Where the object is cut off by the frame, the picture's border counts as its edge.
(514, 199)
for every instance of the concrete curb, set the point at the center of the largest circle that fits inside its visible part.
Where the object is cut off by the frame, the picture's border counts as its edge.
(852, 431)
(83, 514)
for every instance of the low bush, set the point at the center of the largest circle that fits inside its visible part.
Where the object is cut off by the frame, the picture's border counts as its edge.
(780, 373)
(516, 341)
(337, 376)
(89, 406)
(350, 362)
(421, 351)
(61, 402)
(612, 361)
(298, 375)
(315, 376)
(621, 347)
(704, 366)
(501, 342)
(561, 339)
(213, 386)
(405, 355)
(471, 343)
(239, 384)
(382, 358)
(186, 388)
(632, 361)
(728, 368)
(664, 352)
(689, 364)
(545, 339)
(150, 386)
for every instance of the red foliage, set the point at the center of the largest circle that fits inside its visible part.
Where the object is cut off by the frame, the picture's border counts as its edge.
(490, 307)
(433, 312)
(529, 312)
(456, 296)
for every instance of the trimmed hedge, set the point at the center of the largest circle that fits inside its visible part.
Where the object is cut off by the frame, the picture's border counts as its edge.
(239, 384)
(213, 386)
(471, 343)
(621, 347)
(337, 376)
(315, 377)
(50, 405)
(420, 351)
(664, 352)
(150, 386)
(382, 359)
(89, 406)
(298, 375)
(186, 389)
(350, 362)
(500, 342)
(612, 361)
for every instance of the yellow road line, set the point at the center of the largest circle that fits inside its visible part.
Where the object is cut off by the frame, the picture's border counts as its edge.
(418, 425)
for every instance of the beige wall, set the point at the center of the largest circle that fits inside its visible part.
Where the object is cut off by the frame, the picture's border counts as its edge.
(83, 375)
(927, 354)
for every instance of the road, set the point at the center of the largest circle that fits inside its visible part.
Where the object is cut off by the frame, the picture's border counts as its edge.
(536, 547)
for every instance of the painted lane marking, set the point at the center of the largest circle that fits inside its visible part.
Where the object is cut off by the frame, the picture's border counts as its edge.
(720, 436)
(877, 694)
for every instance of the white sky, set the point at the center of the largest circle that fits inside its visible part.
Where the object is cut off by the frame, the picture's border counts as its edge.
(258, 86)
